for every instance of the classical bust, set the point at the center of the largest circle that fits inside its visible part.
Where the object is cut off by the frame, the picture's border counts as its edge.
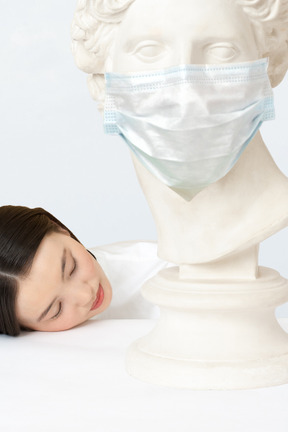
(250, 203)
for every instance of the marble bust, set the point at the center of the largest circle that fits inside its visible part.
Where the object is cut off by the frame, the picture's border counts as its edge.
(248, 204)
(217, 328)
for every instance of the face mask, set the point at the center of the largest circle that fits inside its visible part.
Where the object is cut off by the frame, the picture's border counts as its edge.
(188, 125)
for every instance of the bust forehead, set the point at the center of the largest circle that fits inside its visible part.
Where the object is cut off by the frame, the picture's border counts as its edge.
(159, 9)
(157, 14)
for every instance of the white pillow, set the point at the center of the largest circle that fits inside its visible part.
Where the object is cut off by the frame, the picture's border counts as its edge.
(128, 265)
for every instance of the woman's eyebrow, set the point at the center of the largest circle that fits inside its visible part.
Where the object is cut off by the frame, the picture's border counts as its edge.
(63, 264)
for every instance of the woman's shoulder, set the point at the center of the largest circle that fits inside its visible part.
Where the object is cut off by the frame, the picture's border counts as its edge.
(129, 261)
(128, 265)
(133, 250)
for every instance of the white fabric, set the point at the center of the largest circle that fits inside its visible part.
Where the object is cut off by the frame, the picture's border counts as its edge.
(128, 265)
(75, 381)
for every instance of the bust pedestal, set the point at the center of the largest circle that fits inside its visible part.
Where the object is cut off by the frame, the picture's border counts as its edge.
(213, 334)
(217, 328)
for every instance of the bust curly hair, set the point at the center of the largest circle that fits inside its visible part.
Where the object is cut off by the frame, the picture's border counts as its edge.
(96, 21)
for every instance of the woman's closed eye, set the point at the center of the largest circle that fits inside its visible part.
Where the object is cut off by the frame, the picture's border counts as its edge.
(60, 306)
(58, 313)
(74, 266)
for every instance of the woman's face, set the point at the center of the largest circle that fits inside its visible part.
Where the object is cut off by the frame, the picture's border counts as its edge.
(65, 286)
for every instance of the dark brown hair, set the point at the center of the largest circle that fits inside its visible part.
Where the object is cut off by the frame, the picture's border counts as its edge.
(21, 231)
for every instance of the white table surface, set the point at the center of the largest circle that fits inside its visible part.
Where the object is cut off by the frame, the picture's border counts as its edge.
(76, 381)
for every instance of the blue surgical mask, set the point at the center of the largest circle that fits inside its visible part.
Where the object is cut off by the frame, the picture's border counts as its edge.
(189, 125)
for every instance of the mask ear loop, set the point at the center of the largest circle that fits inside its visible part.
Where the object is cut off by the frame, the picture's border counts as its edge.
(92, 254)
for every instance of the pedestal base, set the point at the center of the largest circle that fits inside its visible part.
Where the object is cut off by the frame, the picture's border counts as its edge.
(213, 335)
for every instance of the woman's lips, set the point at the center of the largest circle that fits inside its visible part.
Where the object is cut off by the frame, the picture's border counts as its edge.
(99, 299)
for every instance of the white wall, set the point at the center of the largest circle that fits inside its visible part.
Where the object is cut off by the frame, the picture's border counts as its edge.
(54, 153)
(53, 150)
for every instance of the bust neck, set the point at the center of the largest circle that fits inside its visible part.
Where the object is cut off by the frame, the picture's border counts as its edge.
(242, 209)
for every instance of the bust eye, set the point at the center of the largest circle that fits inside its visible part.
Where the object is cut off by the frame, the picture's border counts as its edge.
(149, 50)
(221, 52)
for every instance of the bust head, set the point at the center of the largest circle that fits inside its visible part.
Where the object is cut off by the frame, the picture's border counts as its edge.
(133, 35)
(102, 29)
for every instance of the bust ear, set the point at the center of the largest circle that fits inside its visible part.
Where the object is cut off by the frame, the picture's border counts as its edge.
(278, 58)
(278, 65)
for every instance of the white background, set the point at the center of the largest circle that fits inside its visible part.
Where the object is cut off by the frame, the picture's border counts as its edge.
(54, 153)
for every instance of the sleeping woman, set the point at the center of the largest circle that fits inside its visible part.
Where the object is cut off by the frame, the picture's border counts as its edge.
(50, 282)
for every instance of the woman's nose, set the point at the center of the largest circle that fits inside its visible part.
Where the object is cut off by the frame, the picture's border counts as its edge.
(80, 294)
